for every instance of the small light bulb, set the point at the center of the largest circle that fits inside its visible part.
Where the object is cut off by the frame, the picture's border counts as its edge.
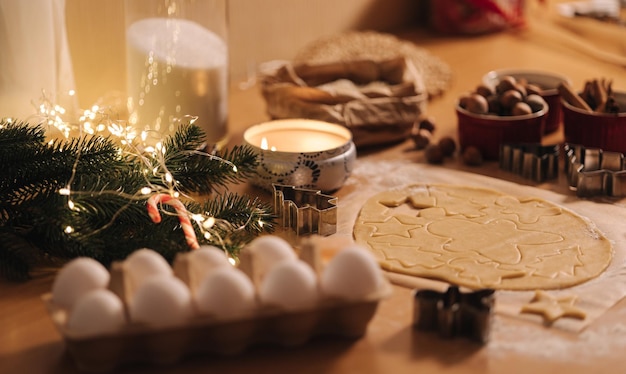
(208, 223)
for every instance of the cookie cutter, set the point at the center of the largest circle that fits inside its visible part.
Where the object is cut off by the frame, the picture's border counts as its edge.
(305, 211)
(455, 313)
(530, 160)
(592, 171)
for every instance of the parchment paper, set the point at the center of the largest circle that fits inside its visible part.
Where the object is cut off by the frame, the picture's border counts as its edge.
(594, 297)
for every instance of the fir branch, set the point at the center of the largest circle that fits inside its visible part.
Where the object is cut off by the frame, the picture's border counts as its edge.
(199, 172)
(107, 217)
(18, 134)
(188, 137)
(204, 175)
(246, 219)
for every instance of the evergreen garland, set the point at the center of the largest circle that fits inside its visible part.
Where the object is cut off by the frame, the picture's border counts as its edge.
(107, 218)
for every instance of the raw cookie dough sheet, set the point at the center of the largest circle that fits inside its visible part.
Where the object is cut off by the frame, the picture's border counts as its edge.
(593, 297)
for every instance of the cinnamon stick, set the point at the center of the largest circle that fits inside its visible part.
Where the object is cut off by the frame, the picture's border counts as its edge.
(600, 96)
(572, 98)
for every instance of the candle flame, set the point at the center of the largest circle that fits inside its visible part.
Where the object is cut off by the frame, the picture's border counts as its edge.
(264, 143)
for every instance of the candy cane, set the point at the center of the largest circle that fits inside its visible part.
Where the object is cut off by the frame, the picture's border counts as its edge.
(185, 222)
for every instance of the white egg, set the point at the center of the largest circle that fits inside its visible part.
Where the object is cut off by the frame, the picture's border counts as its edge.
(269, 250)
(206, 259)
(76, 278)
(99, 311)
(143, 264)
(226, 292)
(352, 274)
(161, 301)
(290, 285)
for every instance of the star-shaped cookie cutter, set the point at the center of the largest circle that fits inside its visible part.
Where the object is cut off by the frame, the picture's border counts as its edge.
(530, 160)
(592, 171)
(305, 211)
(455, 313)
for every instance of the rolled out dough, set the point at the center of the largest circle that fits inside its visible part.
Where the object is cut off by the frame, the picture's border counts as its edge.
(478, 237)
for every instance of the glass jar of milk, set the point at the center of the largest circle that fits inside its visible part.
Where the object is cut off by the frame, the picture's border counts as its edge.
(177, 67)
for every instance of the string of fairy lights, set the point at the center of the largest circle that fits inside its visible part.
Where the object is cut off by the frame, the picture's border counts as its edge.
(103, 121)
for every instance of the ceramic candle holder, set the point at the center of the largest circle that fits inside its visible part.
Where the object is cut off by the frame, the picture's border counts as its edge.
(302, 153)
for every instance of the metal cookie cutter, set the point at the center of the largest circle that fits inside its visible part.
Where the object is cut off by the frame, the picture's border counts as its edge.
(305, 211)
(531, 160)
(454, 313)
(592, 171)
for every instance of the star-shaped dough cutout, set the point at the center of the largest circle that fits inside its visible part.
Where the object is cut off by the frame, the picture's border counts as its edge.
(552, 308)
(393, 226)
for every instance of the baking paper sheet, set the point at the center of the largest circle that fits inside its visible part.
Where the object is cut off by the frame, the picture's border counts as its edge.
(594, 297)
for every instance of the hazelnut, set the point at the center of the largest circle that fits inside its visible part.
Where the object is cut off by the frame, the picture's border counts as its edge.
(506, 83)
(472, 156)
(535, 102)
(427, 124)
(521, 109)
(494, 105)
(447, 145)
(485, 90)
(509, 98)
(476, 103)
(434, 154)
(521, 89)
(463, 99)
(421, 138)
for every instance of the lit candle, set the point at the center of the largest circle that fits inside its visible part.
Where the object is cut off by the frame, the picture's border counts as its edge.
(298, 135)
(302, 153)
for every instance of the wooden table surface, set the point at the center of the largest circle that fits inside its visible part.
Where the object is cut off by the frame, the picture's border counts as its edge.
(29, 342)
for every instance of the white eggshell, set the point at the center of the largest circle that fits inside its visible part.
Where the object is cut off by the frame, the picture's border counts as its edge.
(226, 292)
(76, 278)
(205, 259)
(97, 312)
(161, 301)
(290, 284)
(352, 274)
(270, 250)
(145, 263)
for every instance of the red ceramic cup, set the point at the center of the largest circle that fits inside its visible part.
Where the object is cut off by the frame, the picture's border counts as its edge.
(596, 130)
(488, 132)
(547, 81)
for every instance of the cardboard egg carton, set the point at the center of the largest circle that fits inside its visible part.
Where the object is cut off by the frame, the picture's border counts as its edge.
(140, 343)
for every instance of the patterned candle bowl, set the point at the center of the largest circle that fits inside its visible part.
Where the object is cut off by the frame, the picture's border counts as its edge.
(546, 81)
(606, 131)
(303, 153)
